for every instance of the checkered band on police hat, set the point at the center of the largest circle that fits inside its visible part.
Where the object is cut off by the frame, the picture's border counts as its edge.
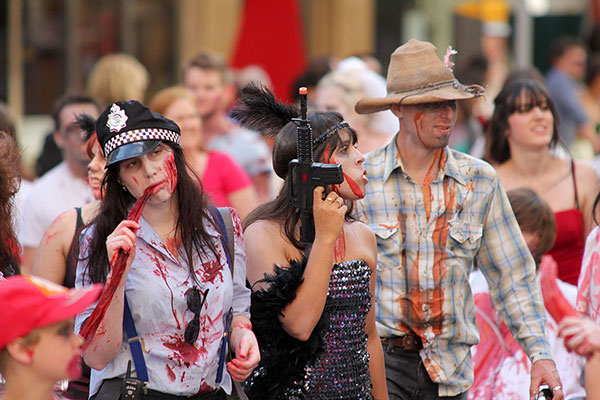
(126, 122)
(140, 135)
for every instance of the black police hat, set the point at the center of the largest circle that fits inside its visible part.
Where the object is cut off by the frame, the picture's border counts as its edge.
(128, 129)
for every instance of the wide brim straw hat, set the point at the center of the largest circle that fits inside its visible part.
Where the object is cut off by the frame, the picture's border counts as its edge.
(415, 76)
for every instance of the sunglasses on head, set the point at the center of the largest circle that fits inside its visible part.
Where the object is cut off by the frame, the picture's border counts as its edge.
(195, 300)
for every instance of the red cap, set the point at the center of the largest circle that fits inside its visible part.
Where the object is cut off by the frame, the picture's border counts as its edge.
(30, 302)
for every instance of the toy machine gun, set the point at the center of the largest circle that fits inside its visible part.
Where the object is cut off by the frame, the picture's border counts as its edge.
(306, 175)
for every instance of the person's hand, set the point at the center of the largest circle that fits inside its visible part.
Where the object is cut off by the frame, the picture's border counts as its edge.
(543, 372)
(328, 213)
(247, 353)
(123, 238)
(581, 335)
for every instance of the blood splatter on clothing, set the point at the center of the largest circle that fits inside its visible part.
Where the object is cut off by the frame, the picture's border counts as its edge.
(588, 295)
(155, 289)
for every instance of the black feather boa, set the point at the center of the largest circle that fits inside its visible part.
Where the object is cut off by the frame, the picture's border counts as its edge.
(283, 357)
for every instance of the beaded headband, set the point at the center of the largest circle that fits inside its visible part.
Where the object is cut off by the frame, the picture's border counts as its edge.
(325, 135)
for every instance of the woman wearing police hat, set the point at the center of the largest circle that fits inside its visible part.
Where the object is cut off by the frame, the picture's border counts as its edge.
(177, 282)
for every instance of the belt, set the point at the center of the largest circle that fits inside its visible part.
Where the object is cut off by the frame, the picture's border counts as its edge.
(154, 395)
(410, 342)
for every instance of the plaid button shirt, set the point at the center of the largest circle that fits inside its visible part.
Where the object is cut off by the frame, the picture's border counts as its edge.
(424, 263)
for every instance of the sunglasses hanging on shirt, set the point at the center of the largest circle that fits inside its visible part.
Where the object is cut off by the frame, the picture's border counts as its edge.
(195, 300)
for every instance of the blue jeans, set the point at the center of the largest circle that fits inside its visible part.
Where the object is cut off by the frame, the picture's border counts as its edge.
(407, 378)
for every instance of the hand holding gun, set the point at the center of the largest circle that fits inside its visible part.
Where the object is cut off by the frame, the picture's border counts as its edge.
(307, 175)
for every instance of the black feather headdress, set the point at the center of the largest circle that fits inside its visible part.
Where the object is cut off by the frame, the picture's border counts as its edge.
(87, 123)
(259, 109)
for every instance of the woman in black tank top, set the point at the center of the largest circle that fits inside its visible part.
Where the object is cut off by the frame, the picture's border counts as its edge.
(56, 257)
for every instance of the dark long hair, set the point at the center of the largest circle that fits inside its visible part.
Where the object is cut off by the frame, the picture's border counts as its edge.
(9, 185)
(595, 208)
(506, 103)
(259, 109)
(193, 211)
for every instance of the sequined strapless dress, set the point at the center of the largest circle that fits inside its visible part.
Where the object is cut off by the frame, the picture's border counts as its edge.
(342, 370)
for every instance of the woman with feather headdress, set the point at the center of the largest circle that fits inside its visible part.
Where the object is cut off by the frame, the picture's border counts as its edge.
(312, 315)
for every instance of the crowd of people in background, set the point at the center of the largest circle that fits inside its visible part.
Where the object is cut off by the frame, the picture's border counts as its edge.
(423, 280)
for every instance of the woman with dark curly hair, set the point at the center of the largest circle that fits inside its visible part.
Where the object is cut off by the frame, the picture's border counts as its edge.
(312, 313)
(9, 185)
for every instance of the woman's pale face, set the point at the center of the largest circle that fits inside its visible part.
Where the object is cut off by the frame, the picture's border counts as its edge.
(355, 174)
(185, 114)
(96, 171)
(531, 124)
(155, 167)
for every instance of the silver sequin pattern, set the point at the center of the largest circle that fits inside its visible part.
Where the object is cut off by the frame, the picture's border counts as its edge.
(342, 370)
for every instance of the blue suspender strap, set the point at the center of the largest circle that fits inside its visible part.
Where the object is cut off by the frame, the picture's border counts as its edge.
(134, 344)
(218, 218)
(224, 342)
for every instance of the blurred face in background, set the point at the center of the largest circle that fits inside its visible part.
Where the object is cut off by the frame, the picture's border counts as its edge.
(335, 98)
(208, 88)
(184, 113)
(574, 61)
(96, 169)
(70, 137)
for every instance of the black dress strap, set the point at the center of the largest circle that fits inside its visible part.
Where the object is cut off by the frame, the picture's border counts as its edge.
(574, 184)
(73, 255)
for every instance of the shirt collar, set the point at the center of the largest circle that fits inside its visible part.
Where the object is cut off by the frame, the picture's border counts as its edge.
(452, 168)
(394, 161)
(149, 235)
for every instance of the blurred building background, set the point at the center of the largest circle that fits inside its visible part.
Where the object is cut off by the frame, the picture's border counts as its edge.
(47, 47)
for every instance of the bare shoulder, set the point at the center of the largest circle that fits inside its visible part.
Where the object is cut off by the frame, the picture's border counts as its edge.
(90, 211)
(585, 171)
(363, 231)
(62, 228)
(260, 228)
(361, 243)
(50, 257)
(587, 178)
(265, 247)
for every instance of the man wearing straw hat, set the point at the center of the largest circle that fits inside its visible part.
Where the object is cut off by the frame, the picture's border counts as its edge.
(436, 214)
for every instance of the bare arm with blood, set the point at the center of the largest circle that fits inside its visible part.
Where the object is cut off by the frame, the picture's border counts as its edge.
(582, 335)
(554, 301)
(245, 346)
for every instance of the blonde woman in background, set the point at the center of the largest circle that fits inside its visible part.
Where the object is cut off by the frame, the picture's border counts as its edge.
(341, 88)
(117, 77)
(225, 182)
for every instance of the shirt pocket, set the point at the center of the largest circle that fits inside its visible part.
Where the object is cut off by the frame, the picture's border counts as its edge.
(465, 235)
(389, 239)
